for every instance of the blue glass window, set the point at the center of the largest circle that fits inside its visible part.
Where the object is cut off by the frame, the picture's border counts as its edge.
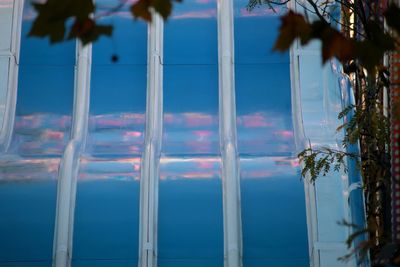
(106, 230)
(28, 171)
(190, 224)
(272, 194)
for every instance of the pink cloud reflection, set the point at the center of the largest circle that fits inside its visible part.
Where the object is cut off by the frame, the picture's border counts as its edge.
(172, 168)
(190, 119)
(199, 146)
(208, 13)
(202, 2)
(198, 119)
(205, 165)
(202, 135)
(53, 135)
(29, 169)
(284, 134)
(117, 120)
(258, 174)
(254, 120)
(131, 135)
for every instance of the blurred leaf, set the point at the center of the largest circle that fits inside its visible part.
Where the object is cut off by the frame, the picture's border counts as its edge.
(368, 53)
(54, 14)
(51, 19)
(142, 8)
(88, 31)
(293, 26)
(334, 44)
(392, 16)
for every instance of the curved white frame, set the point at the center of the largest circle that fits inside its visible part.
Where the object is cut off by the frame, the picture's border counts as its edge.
(69, 166)
(7, 126)
(152, 148)
(330, 249)
(228, 139)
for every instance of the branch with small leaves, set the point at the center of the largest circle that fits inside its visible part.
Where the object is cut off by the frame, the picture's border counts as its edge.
(317, 162)
(359, 39)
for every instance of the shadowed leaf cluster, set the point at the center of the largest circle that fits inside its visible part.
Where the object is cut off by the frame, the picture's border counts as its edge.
(369, 51)
(61, 20)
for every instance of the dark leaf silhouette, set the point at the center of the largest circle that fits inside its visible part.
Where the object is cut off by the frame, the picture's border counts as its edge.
(53, 16)
(392, 16)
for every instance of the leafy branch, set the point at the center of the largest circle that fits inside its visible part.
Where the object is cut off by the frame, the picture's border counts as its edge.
(360, 40)
(53, 15)
(319, 162)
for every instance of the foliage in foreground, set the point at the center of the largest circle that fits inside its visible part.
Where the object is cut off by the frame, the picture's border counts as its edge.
(54, 17)
(360, 44)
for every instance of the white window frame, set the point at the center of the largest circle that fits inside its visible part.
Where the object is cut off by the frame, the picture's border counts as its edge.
(12, 54)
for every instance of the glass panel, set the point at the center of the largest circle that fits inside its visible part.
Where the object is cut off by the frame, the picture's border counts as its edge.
(190, 212)
(321, 103)
(191, 34)
(4, 69)
(28, 171)
(106, 230)
(273, 204)
(264, 122)
(257, 31)
(41, 51)
(190, 225)
(107, 210)
(6, 14)
(191, 110)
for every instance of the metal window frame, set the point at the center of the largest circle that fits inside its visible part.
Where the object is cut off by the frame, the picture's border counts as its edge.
(228, 138)
(7, 126)
(69, 166)
(315, 244)
(150, 159)
(149, 173)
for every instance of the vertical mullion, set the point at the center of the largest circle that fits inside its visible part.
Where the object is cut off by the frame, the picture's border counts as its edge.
(68, 171)
(12, 82)
(151, 155)
(228, 142)
(300, 141)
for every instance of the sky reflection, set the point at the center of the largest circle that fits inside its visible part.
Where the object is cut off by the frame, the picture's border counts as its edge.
(17, 169)
(122, 169)
(187, 131)
(194, 9)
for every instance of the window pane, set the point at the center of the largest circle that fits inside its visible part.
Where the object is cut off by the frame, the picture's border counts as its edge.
(191, 34)
(257, 31)
(273, 204)
(29, 169)
(190, 226)
(6, 14)
(106, 230)
(4, 69)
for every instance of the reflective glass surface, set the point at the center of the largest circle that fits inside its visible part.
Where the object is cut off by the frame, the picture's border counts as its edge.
(325, 92)
(321, 103)
(107, 205)
(6, 12)
(4, 69)
(28, 171)
(6, 22)
(190, 226)
(272, 193)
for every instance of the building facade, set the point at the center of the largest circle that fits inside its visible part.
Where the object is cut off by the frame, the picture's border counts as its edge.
(181, 153)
